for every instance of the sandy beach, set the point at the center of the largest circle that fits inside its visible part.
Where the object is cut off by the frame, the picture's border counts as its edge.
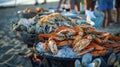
(12, 49)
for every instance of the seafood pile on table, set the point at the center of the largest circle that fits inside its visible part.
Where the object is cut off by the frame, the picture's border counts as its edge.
(61, 36)
(27, 28)
(43, 24)
(56, 31)
(36, 10)
(30, 12)
(82, 39)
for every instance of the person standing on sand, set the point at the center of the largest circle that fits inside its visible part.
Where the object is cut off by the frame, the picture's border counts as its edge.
(36, 2)
(117, 5)
(44, 2)
(75, 6)
(106, 6)
(60, 3)
(89, 8)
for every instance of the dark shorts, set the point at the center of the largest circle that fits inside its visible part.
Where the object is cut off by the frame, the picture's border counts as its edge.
(75, 2)
(117, 3)
(105, 4)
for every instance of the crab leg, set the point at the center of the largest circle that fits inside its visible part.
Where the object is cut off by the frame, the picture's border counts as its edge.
(42, 36)
(116, 50)
(115, 38)
(65, 42)
(98, 53)
(96, 46)
(98, 40)
(35, 57)
(112, 45)
(85, 51)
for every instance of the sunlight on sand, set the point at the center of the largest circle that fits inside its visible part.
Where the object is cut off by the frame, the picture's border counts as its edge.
(22, 2)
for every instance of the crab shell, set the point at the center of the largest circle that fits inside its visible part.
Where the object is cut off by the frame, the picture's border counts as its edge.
(83, 43)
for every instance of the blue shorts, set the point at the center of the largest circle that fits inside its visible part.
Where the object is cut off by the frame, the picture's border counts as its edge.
(105, 4)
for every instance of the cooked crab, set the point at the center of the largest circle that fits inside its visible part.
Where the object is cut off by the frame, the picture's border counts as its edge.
(62, 36)
(81, 39)
(54, 20)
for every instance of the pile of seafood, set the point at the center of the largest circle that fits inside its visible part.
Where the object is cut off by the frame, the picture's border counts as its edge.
(28, 28)
(43, 24)
(36, 10)
(81, 39)
(52, 21)
(88, 61)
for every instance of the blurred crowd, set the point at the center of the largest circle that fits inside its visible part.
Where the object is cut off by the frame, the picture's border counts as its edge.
(98, 12)
(95, 9)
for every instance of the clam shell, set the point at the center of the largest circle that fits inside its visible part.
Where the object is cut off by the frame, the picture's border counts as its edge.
(86, 59)
(112, 58)
(97, 62)
(91, 65)
(77, 63)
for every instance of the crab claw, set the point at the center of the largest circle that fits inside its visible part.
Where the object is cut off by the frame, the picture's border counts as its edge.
(53, 46)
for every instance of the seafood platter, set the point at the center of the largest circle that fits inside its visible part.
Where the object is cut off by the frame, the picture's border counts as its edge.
(30, 12)
(62, 38)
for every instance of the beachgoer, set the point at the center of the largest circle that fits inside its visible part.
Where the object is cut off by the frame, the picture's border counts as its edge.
(44, 2)
(61, 2)
(117, 5)
(75, 6)
(106, 6)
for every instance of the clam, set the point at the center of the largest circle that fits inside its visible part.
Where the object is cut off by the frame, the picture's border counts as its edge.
(91, 65)
(116, 63)
(118, 56)
(77, 63)
(86, 59)
(103, 62)
(111, 59)
(97, 62)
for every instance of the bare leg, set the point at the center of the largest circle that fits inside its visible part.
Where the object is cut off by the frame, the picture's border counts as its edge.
(105, 24)
(36, 2)
(72, 5)
(59, 4)
(64, 1)
(92, 5)
(77, 8)
(77, 5)
(109, 16)
(87, 4)
(117, 14)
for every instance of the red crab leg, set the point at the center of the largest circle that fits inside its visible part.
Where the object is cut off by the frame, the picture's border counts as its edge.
(98, 40)
(112, 45)
(98, 53)
(116, 50)
(116, 38)
(85, 51)
(42, 36)
(36, 59)
(65, 42)
(96, 46)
